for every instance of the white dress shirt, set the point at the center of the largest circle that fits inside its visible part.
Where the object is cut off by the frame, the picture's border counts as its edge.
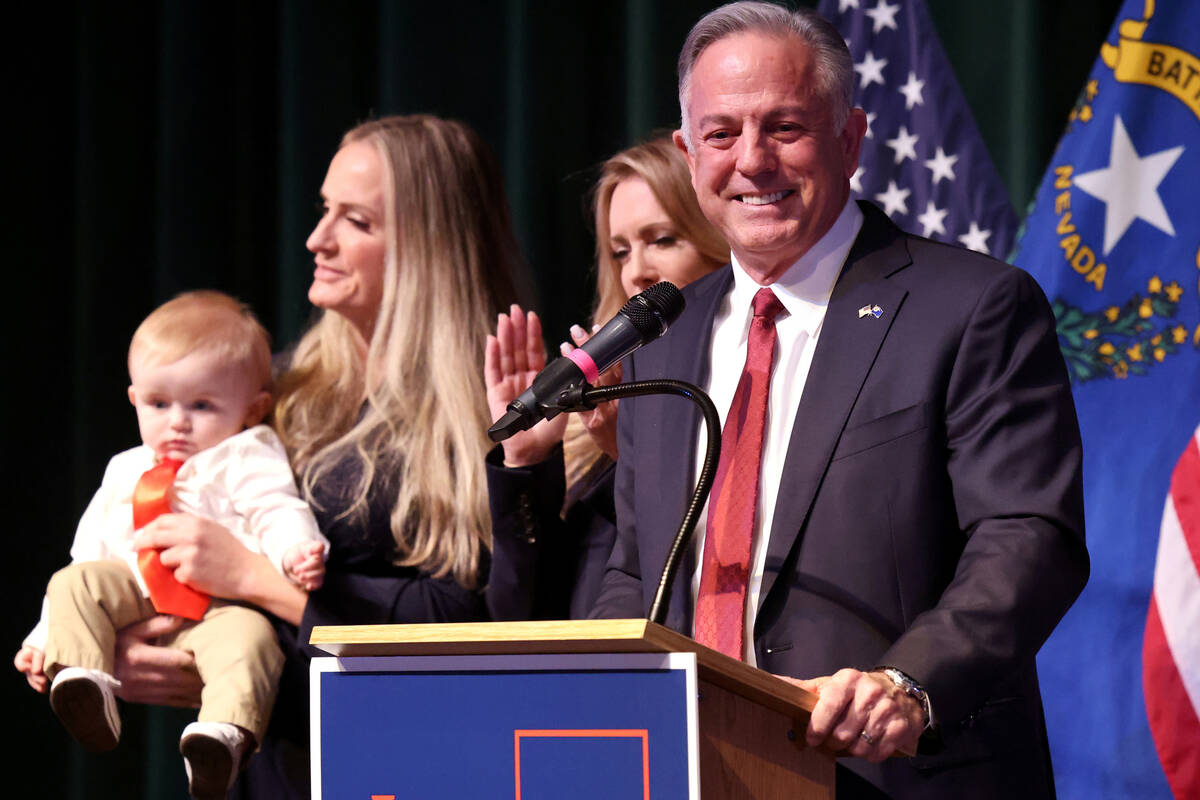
(804, 290)
(244, 482)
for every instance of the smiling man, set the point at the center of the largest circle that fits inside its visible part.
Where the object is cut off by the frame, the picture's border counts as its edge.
(897, 518)
(771, 146)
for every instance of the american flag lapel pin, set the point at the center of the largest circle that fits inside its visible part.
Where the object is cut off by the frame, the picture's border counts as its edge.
(870, 310)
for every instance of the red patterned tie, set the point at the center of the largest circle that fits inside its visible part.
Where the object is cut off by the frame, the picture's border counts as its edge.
(151, 498)
(725, 574)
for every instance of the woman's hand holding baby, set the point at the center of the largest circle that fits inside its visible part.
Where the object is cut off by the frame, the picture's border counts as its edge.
(207, 557)
(203, 554)
(151, 674)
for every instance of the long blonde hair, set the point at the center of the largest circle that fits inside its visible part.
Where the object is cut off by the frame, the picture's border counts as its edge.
(662, 166)
(415, 408)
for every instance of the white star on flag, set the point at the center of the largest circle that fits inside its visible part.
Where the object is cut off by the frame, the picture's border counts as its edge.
(912, 92)
(1128, 186)
(871, 115)
(976, 239)
(871, 69)
(904, 145)
(856, 180)
(942, 166)
(883, 15)
(844, 4)
(931, 220)
(894, 199)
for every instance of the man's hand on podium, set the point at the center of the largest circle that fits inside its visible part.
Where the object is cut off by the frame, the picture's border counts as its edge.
(862, 714)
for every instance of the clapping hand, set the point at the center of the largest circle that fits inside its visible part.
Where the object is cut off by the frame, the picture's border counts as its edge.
(511, 360)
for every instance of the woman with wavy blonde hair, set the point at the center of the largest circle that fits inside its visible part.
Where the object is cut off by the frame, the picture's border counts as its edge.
(381, 410)
(390, 371)
(686, 249)
(649, 228)
(661, 165)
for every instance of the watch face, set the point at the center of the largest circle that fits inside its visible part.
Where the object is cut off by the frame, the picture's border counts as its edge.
(907, 684)
(910, 688)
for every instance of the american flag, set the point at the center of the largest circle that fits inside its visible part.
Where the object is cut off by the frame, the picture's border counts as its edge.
(923, 160)
(1171, 645)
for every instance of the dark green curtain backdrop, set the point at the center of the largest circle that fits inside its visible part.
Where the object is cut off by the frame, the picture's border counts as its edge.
(175, 145)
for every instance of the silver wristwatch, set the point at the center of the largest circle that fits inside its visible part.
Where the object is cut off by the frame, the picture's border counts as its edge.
(910, 688)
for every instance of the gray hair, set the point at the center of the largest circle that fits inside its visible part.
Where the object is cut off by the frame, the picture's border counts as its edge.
(834, 66)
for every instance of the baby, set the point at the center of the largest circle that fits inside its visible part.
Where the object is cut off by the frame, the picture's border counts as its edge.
(199, 368)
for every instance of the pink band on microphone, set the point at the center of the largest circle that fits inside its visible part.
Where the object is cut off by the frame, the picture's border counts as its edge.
(585, 363)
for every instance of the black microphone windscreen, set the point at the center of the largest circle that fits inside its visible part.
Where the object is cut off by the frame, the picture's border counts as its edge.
(653, 309)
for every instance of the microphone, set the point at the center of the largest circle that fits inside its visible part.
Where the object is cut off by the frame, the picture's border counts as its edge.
(644, 318)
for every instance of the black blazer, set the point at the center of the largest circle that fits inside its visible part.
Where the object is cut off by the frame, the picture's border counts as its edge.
(547, 563)
(362, 587)
(930, 515)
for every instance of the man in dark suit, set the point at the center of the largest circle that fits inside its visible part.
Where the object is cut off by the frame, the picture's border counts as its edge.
(915, 529)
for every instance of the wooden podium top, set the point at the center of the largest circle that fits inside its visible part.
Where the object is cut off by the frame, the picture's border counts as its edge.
(552, 637)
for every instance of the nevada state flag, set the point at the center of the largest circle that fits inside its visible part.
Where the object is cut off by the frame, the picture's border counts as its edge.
(1114, 240)
(922, 159)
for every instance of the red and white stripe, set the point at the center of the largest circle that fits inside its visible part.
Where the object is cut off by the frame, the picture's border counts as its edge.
(1171, 648)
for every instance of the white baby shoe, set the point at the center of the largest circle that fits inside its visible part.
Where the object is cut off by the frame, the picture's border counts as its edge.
(212, 755)
(85, 702)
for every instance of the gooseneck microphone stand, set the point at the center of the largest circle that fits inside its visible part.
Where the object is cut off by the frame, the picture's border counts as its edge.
(584, 398)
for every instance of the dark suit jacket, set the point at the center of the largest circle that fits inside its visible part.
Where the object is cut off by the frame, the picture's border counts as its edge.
(547, 563)
(362, 587)
(930, 514)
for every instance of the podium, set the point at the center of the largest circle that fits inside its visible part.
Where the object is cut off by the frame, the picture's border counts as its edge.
(532, 710)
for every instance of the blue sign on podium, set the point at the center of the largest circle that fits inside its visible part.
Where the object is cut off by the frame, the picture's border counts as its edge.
(529, 727)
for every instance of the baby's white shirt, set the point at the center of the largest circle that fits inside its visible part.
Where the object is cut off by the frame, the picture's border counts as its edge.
(245, 483)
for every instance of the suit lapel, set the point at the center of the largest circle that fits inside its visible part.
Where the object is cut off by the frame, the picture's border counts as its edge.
(846, 350)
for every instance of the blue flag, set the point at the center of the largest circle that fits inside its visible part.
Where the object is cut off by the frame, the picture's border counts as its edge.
(1114, 239)
(923, 160)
